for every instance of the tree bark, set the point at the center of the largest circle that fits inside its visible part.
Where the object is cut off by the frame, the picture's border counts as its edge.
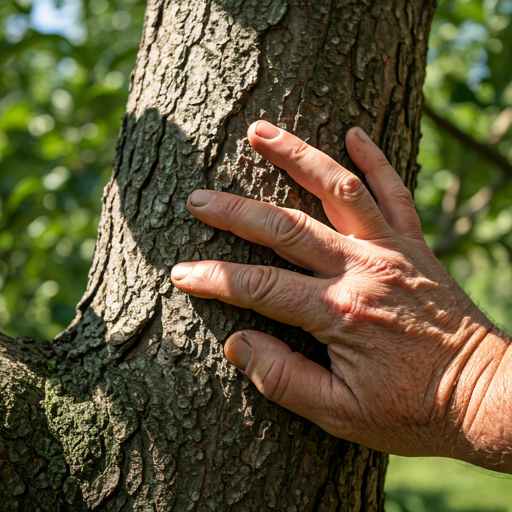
(134, 406)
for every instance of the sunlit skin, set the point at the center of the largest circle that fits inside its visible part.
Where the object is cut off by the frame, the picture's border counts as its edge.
(416, 368)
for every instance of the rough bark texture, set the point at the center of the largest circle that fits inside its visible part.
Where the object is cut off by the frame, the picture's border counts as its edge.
(134, 406)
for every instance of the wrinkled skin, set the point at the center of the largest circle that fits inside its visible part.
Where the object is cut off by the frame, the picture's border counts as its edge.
(416, 368)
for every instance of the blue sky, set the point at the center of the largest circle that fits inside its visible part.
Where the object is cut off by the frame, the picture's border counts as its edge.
(46, 18)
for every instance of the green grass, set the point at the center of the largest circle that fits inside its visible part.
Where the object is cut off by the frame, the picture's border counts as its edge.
(443, 485)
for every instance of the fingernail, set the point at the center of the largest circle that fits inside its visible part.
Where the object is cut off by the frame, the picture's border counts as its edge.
(361, 135)
(180, 271)
(266, 130)
(240, 352)
(200, 197)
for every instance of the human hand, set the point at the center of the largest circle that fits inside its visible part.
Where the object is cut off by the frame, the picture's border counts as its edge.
(416, 368)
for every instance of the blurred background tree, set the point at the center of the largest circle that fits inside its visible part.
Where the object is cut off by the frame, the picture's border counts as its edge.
(63, 90)
(65, 67)
(465, 187)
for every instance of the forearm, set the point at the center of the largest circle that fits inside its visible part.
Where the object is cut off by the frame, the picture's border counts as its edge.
(482, 402)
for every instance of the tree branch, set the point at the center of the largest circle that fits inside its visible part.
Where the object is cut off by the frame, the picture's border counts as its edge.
(483, 150)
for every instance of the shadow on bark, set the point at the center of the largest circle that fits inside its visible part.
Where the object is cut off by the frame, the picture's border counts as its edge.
(152, 407)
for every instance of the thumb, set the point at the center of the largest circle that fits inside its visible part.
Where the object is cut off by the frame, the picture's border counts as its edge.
(289, 379)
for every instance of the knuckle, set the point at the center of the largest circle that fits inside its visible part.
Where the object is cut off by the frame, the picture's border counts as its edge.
(234, 206)
(299, 150)
(382, 161)
(289, 226)
(391, 270)
(349, 188)
(354, 307)
(212, 273)
(386, 268)
(260, 282)
(347, 307)
(276, 382)
(403, 195)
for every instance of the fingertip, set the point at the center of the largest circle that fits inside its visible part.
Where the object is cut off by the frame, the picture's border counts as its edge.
(357, 138)
(352, 132)
(254, 347)
(363, 151)
(263, 131)
(363, 136)
(238, 350)
(250, 130)
(254, 140)
(199, 198)
(180, 272)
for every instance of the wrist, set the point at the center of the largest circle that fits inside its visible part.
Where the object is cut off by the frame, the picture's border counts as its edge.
(480, 407)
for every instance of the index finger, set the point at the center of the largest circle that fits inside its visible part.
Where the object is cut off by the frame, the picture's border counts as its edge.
(347, 202)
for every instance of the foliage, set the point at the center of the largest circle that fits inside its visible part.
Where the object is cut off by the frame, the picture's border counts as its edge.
(61, 102)
(444, 485)
(62, 99)
(463, 198)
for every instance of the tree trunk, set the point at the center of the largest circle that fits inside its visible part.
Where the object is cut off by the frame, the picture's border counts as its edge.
(134, 406)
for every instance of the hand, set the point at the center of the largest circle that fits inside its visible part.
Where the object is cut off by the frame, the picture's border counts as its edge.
(416, 367)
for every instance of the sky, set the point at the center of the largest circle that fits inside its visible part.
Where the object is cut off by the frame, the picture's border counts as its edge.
(46, 18)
